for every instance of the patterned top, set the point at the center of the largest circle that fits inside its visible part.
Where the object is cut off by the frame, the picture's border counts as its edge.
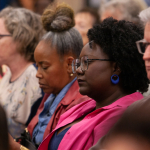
(17, 97)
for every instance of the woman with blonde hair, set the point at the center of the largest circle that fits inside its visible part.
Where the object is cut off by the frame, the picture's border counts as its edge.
(122, 10)
(20, 31)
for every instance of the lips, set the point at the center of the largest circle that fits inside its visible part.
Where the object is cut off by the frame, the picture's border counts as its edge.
(42, 85)
(80, 81)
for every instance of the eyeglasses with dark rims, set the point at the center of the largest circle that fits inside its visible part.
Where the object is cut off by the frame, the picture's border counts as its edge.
(84, 63)
(3, 35)
(142, 45)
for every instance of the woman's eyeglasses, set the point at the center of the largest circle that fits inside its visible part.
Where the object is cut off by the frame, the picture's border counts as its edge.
(3, 35)
(83, 62)
(142, 45)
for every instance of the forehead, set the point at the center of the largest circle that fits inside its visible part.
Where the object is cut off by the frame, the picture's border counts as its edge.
(95, 50)
(111, 12)
(43, 52)
(147, 32)
(84, 17)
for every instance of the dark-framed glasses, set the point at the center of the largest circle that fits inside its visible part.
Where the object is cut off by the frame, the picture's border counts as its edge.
(142, 45)
(3, 35)
(83, 62)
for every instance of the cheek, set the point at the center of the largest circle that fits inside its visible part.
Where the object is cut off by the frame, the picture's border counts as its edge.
(7, 48)
(99, 75)
(3, 47)
(56, 77)
(52, 78)
(5, 51)
(147, 53)
(148, 74)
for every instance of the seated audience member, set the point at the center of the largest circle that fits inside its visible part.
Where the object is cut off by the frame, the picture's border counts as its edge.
(132, 131)
(144, 104)
(84, 20)
(121, 10)
(3, 130)
(144, 44)
(20, 31)
(108, 70)
(54, 54)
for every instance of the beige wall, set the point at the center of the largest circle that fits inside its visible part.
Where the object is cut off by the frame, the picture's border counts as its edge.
(75, 4)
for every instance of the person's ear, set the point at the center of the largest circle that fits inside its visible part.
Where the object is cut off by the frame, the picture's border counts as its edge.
(69, 64)
(116, 69)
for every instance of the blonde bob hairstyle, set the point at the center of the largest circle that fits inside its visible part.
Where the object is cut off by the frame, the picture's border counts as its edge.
(25, 27)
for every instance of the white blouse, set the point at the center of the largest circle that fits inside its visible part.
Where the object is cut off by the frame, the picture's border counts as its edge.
(17, 97)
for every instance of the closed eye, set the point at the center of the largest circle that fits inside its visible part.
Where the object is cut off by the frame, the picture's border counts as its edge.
(44, 68)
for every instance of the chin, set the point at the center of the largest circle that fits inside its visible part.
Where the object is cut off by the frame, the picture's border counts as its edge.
(47, 91)
(84, 91)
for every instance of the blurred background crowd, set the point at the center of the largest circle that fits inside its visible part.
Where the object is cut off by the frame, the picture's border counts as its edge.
(39, 5)
(88, 12)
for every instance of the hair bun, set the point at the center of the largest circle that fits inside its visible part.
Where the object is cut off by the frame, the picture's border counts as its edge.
(58, 18)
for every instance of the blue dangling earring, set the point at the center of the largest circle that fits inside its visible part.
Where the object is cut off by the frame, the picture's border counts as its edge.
(115, 81)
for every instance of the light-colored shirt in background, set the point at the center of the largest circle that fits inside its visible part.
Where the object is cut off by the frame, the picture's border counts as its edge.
(17, 97)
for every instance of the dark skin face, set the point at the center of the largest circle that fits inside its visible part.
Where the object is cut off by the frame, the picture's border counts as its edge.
(96, 81)
(53, 72)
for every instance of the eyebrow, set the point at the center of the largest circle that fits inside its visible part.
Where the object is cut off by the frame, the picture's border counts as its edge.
(41, 62)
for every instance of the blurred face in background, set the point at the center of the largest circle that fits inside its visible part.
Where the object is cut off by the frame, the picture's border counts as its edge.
(83, 22)
(116, 14)
(123, 142)
(127, 142)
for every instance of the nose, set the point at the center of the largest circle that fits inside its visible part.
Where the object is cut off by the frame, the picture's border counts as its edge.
(39, 74)
(79, 71)
(146, 55)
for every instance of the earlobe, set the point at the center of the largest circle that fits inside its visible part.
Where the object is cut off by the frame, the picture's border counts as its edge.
(116, 73)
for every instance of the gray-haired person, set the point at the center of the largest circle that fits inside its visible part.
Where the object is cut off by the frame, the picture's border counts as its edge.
(122, 10)
(20, 32)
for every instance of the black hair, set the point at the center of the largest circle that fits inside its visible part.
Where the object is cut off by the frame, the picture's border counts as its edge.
(117, 39)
